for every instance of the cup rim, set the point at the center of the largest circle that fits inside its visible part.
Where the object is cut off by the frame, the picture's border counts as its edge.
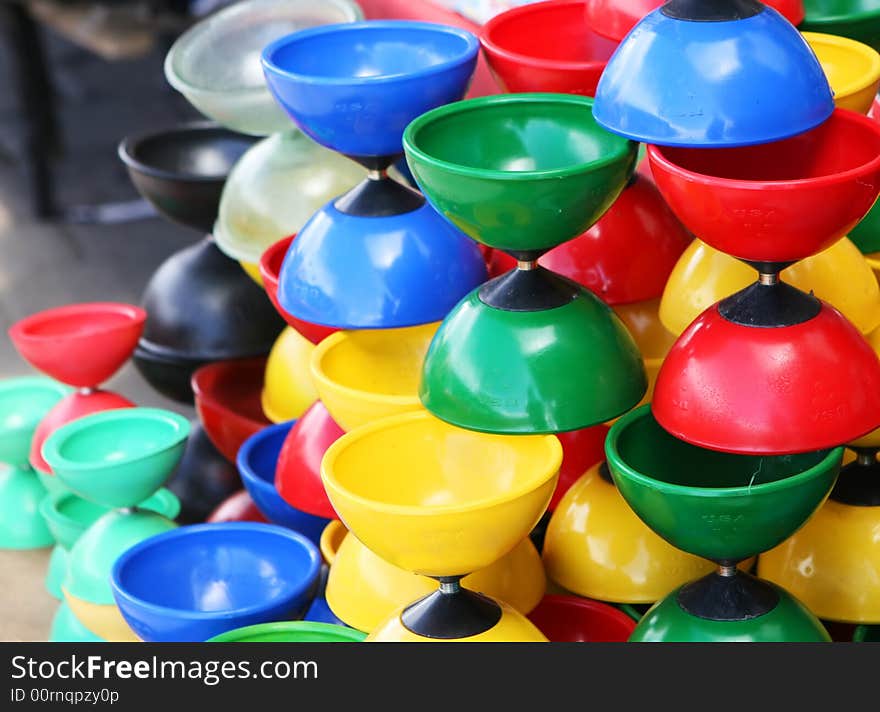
(308, 579)
(51, 449)
(332, 482)
(185, 87)
(411, 147)
(491, 47)
(472, 48)
(656, 157)
(618, 464)
(853, 48)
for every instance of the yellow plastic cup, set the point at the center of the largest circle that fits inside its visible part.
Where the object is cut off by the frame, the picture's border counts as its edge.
(363, 589)
(840, 275)
(832, 564)
(104, 620)
(362, 376)
(435, 499)
(288, 389)
(852, 69)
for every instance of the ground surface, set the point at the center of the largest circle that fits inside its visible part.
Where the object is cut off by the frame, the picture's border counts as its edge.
(44, 264)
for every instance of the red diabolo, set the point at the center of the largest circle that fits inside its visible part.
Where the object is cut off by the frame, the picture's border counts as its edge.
(227, 395)
(298, 473)
(776, 202)
(769, 391)
(546, 47)
(81, 345)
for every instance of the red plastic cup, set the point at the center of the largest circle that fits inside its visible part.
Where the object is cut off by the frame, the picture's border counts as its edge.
(570, 619)
(227, 398)
(81, 345)
(769, 391)
(780, 201)
(546, 47)
(298, 473)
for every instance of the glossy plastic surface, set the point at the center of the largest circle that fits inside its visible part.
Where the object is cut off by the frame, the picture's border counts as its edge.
(362, 376)
(120, 457)
(257, 460)
(24, 402)
(203, 307)
(703, 276)
(298, 474)
(68, 515)
(581, 449)
(72, 406)
(545, 47)
(785, 201)
(288, 389)
(354, 88)
(81, 345)
(96, 550)
(238, 507)
(524, 171)
(789, 622)
(270, 268)
(769, 390)
(359, 272)
(181, 171)
(615, 18)
(856, 19)
(597, 547)
(228, 402)
(852, 69)
(198, 582)
(476, 495)
(291, 632)
(866, 235)
(103, 621)
(216, 63)
(713, 504)
(626, 256)
(512, 628)
(642, 319)
(656, 88)
(872, 439)
(514, 372)
(832, 564)
(21, 524)
(66, 628)
(363, 589)
(569, 619)
(275, 188)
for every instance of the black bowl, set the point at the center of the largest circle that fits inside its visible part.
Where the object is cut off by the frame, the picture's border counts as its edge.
(182, 170)
(201, 307)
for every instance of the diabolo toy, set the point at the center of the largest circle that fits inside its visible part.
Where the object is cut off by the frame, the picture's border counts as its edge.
(115, 459)
(450, 502)
(248, 573)
(378, 256)
(282, 180)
